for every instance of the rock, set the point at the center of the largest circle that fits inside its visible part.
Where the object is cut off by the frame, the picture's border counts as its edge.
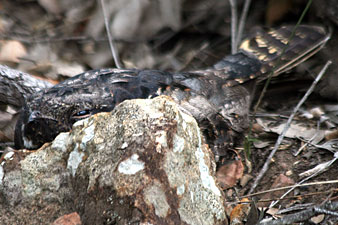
(145, 162)
(69, 219)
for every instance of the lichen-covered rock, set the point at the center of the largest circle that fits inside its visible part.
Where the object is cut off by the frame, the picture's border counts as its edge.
(144, 162)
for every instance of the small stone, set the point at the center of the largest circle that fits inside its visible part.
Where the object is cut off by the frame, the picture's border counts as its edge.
(69, 219)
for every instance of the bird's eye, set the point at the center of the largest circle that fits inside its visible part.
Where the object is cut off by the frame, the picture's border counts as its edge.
(82, 114)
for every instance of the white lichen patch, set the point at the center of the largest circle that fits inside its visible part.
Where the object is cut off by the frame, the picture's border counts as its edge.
(161, 140)
(89, 133)
(207, 180)
(2, 174)
(124, 145)
(149, 110)
(155, 196)
(61, 142)
(187, 118)
(137, 134)
(74, 159)
(131, 165)
(178, 145)
(180, 189)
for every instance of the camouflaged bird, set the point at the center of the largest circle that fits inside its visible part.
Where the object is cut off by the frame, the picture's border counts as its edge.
(218, 97)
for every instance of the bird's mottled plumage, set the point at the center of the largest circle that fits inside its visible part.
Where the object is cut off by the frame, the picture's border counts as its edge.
(214, 96)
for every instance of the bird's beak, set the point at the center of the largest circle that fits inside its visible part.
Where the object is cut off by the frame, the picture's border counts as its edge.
(33, 116)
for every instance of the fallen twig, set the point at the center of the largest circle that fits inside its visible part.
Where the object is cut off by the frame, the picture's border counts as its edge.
(110, 38)
(233, 26)
(327, 208)
(292, 186)
(281, 137)
(318, 170)
(242, 22)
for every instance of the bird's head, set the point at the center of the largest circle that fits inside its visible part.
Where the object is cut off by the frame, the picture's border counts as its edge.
(54, 110)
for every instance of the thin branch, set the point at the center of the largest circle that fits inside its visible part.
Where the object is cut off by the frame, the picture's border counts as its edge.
(233, 26)
(327, 193)
(281, 137)
(328, 164)
(82, 38)
(292, 186)
(110, 38)
(328, 208)
(242, 22)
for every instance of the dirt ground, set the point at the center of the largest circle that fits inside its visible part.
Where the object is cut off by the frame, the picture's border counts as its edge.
(58, 39)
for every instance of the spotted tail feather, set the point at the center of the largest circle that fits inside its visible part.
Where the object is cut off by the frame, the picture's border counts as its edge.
(262, 53)
(268, 47)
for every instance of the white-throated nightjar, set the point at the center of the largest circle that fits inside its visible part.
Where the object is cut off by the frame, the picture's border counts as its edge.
(218, 97)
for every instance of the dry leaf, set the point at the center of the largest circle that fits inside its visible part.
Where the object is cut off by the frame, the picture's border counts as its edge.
(171, 13)
(239, 214)
(295, 130)
(318, 219)
(69, 219)
(280, 181)
(127, 19)
(276, 10)
(12, 51)
(228, 175)
(261, 144)
(51, 6)
(331, 134)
